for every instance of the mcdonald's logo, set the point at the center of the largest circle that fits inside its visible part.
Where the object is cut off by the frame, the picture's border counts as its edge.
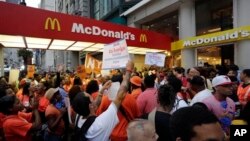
(143, 38)
(52, 22)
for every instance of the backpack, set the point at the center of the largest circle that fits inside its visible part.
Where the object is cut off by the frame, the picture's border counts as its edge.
(79, 133)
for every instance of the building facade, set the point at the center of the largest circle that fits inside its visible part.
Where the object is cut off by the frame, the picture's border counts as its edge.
(185, 20)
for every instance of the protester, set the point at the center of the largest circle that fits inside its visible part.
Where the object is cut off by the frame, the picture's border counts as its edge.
(103, 124)
(136, 83)
(92, 88)
(244, 87)
(220, 103)
(141, 130)
(195, 124)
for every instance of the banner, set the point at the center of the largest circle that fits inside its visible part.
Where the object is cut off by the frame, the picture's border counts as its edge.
(13, 76)
(80, 70)
(30, 71)
(157, 59)
(115, 55)
(92, 64)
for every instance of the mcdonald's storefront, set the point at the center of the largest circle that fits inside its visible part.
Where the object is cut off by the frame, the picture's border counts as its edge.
(215, 48)
(25, 27)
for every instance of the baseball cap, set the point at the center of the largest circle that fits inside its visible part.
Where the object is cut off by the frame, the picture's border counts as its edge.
(221, 80)
(136, 80)
(50, 93)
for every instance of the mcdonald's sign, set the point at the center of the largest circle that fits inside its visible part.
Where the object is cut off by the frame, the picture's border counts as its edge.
(52, 22)
(143, 38)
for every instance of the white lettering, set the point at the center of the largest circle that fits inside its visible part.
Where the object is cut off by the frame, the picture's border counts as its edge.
(88, 30)
(206, 40)
(104, 33)
(240, 132)
(234, 35)
(96, 30)
(244, 33)
(132, 37)
(78, 28)
(199, 41)
(187, 43)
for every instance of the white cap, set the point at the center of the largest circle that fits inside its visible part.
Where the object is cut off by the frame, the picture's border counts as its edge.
(221, 80)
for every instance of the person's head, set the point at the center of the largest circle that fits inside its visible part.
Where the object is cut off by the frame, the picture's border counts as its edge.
(200, 105)
(92, 86)
(136, 82)
(77, 81)
(141, 130)
(26, 90)
(149, 81)
(222, 85)
(245, 75)
(166, 96)
(10, 105)
(195, 124)
(117, 78)
(235, 83)
(53, 95)
(232, 73)
(193, 72)
(178, 71)
(175, 83)
(81, 104)
(197, 83)
(74, 90)
(42, 87)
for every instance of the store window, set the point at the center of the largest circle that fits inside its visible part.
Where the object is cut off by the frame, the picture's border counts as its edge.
(167, 24)
(213, 16)
(104, 7)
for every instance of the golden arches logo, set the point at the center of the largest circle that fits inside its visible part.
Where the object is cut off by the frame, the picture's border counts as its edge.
(53, 23)
(143, 38)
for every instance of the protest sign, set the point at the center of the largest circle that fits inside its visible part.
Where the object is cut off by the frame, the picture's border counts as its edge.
(153, 58)
(30, 71)
(92, 64)
(13, 76)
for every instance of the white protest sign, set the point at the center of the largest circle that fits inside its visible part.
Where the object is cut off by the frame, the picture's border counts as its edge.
(14, 75)
(115, 55)
(157, 59)
(113, 90)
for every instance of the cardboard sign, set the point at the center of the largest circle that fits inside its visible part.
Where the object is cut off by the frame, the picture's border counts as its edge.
(115, 55)
(157, 59)
(13, 76)
(30, 71)
(92, 64)
(80, 70)
(113, 90)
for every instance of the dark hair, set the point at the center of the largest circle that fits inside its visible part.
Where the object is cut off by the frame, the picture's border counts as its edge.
(117, 78)
(166, 96)
(197, 81)
(26, 89)
(233, 78)
(179, 70)
(92, 86)
(81, 104)
(185, 119)
(246, 72)
(175, 83)
(77, 81)
(200, 105)
(46, 84)
(74, 90)
(149, 81)
(6, 103)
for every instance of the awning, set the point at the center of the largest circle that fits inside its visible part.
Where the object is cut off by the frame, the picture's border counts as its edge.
(26, 27)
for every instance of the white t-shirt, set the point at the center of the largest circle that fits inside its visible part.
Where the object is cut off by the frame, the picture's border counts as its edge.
(200, 96)
(179, 103)
(103, 125)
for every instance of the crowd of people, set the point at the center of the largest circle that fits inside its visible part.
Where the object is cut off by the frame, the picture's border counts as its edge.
(156, 104)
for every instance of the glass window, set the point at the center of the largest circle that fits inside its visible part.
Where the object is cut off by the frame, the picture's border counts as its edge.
(213, 16)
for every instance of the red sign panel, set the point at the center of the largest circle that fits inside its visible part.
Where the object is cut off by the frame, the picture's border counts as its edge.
(32, 22)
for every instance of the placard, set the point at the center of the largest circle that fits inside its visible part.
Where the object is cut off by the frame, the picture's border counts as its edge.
(13, 76)
(30, 71)
(113, 90)
(115, 55)
(92, 64)
(153, 58)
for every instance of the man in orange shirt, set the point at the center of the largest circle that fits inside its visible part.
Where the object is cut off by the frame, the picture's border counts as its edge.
(244, 88)
(135, 86)
(127, 112)
(17, 128)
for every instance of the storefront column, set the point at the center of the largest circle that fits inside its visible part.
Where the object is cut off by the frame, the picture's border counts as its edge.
(1, 61)
(187, 29)
(241, 18)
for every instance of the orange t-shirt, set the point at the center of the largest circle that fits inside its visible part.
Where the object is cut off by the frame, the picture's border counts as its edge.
(16, 128)
(94, 95)
(53, 111)
(243, 95)
(135, 93)
(130, 107)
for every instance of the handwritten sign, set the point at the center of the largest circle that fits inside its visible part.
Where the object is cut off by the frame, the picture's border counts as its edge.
(115, 55)
(30, 71)
(157, 59)
(13, 76)
(92, 64)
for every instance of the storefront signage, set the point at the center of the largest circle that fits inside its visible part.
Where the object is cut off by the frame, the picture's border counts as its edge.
(115, 55)
(51, 25)
(223, 37)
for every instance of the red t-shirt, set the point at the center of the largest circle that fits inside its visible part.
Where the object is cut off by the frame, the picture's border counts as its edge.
(16, 128)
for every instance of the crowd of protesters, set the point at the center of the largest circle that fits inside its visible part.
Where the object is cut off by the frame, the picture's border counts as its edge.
(156, 104)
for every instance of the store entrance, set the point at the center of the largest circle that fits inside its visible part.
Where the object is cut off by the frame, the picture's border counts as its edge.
(215, 55)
